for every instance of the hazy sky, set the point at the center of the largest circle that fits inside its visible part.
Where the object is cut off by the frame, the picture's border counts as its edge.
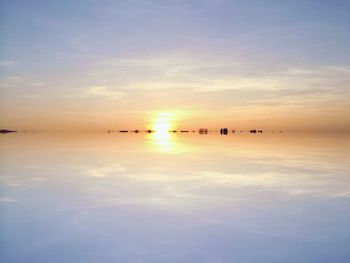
(108, 64)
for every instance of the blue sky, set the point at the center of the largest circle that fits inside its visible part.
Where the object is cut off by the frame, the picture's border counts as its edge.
(112, 63)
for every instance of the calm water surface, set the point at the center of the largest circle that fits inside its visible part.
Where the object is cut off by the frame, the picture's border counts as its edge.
(174, 198)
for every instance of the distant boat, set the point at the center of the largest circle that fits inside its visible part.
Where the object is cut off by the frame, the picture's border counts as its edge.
(6, 131)
(203, 131)
(224, 131)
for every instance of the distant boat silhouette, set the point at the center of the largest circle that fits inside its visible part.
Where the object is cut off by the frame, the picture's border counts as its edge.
(252, 131)
(224, 131)
(124, 131)
(203, 131)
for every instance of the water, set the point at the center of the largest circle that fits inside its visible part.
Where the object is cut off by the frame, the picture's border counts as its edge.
(175, 198)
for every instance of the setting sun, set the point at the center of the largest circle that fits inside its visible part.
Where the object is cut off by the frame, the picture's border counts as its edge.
(163, 122)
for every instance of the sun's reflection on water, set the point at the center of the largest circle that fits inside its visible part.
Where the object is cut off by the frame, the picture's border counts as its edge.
(167, 142)
(164, 141)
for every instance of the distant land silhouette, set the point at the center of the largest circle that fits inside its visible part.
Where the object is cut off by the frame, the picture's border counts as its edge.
(223, 131)
(6, 131)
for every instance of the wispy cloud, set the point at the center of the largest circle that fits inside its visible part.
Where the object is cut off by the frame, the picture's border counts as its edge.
(112, 170)
(212, 74)
(99, 92)
(7, 200)
(102, 91)
(7, 63)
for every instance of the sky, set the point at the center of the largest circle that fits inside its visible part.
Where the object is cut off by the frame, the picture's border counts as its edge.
(97, 65)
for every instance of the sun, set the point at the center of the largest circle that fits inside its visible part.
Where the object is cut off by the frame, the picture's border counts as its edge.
(161, 139)
(162, 127)
(163, 122)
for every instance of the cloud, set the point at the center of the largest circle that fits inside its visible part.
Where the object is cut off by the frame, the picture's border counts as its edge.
(105, 92)
(6, 200)
(100, 92)
(111, 170)
(210, 73)
(21, 81)
(7, 63)
(342, 195)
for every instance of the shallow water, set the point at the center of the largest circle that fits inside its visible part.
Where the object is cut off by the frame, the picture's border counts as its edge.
(175, 198)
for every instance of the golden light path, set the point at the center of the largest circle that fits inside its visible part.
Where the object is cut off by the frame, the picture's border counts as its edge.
(162, 139)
